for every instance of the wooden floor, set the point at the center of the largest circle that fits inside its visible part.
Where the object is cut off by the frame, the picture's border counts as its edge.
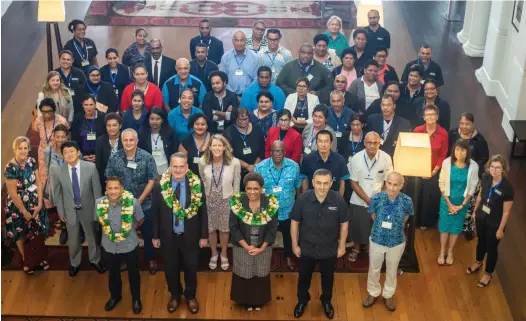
(437, 293)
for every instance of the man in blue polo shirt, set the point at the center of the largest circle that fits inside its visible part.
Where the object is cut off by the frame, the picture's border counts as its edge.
(249, 100)
(174, 86)
(324, 158)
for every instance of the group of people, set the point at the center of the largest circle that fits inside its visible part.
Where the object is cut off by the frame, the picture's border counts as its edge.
(234, 146)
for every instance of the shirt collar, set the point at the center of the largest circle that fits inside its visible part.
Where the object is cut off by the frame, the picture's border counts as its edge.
(177, 80)
(181, 182)
(267, 50)
(160, 60)
(236, 55)
(179, 111)
(77, 166)
(384, 69)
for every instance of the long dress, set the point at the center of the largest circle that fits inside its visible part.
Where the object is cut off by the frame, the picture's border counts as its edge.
(218, 208)
(251, 274)
(448, 223)
(16, 226)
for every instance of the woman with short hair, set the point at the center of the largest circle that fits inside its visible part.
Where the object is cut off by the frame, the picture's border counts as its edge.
(301, 104)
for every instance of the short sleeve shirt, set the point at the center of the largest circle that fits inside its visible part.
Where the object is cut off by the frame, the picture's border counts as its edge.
(502, 193)
(336, 164)
(389, 214)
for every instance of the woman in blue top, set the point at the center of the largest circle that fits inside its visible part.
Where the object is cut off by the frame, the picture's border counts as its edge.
(337, 40)
(178, 117)
(137, 116)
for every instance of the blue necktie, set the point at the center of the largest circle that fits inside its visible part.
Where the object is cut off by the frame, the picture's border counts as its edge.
(76, 186)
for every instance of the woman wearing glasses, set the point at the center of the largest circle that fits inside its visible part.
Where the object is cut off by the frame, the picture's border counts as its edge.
(301, 104)
(290, 137)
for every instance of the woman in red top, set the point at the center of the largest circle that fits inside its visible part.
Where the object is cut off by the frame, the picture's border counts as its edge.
(290, 137)
(429, 200)
(152, 94)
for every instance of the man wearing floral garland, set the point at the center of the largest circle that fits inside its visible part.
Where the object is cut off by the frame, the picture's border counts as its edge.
(180, 225)
(120, 214)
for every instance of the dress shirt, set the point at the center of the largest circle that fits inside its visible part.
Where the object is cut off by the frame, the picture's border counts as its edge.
(78, 171)
(248, 63)
(182, 201)
(274, 61)
(370, 174)
(249, 99)
(159, 62)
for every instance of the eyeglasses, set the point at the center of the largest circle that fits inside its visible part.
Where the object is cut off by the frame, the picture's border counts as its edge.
(429, 89)
(372, 143)
(279, 151)
(273, 39)
(243, 119)
(430, 115)
(260, 29)
(495, 167)
(46, 111)
(381, 56)
(302, 86)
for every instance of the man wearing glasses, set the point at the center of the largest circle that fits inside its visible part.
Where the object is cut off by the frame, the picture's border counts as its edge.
(274, 55)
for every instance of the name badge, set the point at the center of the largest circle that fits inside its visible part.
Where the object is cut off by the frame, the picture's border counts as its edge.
(486, 209)
(221, 125)
(247, 150)
(338, 134)
(156, 153)
(387, 225)
(91, 136)
(132, 165)
(276, 189)
(273, 70)
(380, 38)
(381, 141)
(300, 118)
(309, 77)
(84, 63)
(116, 92)
(32, 188)
(307, 150)
(196, 160)
(239, 72)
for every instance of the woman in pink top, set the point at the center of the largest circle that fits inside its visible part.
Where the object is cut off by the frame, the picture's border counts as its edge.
(347, 69)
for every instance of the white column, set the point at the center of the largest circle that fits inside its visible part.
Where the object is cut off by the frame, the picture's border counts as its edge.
(463, 35)
(476, 43)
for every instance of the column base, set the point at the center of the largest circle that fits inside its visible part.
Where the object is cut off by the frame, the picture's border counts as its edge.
(473, 50)
(462, 37)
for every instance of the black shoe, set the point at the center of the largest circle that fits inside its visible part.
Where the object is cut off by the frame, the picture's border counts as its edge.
(328, 309)
(112, 303)
(63, 239)
(137, 306)
(73, 270)
(299, 309)
(98, 267)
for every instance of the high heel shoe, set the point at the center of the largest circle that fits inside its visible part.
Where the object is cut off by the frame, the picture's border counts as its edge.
(482, 284)
(470, 271)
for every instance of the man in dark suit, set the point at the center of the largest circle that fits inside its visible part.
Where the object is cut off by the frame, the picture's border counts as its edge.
(387, 125)
(165, 65)
(180, 238)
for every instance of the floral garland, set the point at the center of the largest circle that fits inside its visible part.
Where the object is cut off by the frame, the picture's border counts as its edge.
(173, 203)
(126, 217)
(251, 218)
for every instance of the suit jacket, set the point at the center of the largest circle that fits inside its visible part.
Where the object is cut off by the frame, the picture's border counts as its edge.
(99, 126)
(376, 123)
(123, 79)
(167, 70)
(231, 180)
(102, 155)
(292, 140)
(357, 91)
(163, 219)
(90, 190)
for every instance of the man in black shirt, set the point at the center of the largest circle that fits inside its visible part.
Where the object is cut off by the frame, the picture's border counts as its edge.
(215, 46)
(220, 102)
(201, 67)
(73, 78)
(431, 69)
(377, 35)
(319, 224)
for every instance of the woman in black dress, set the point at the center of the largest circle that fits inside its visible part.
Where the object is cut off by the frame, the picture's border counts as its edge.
(115, 73)
(247, 141)
(107, 101)
(84, 49)
(264, 116)
(87, 127)
(194, 145)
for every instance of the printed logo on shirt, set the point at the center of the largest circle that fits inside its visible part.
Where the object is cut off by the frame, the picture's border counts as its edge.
(432, 74)
(380, 38)
(333, 208)
(498, 192)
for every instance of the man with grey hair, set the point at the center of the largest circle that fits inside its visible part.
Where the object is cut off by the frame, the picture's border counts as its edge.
(180, 226)
(339, 117)
(389, 211)
(137, 169)
(160, 67)
(174, 86)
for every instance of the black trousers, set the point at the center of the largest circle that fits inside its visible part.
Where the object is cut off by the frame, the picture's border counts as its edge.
(179, 256)
(284, 228)
(307, 265)
(487, 244)
(134, 278)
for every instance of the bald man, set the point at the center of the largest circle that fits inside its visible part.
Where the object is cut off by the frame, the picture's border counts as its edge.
(389, 212)
(339, 84)
(174, 86)
(377, 36)
(160, 67)
(240, 64)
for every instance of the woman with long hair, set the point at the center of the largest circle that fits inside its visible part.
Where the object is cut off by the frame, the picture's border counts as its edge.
(61, 95)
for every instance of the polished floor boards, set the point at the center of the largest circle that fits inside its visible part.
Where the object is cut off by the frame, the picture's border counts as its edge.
(437, 293)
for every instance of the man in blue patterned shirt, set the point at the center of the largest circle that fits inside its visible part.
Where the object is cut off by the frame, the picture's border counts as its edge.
(389, 210)
(282, 178)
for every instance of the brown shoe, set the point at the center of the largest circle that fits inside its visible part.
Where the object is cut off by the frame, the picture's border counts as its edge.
(173, 304)
(390, 304)
(290, 263)
(152, 267)
(193, 306)
(369, 301)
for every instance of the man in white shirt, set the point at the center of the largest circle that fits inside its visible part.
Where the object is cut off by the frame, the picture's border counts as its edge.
(160, 67)
(368, 169)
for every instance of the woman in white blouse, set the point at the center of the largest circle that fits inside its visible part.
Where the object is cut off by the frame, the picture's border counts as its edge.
(301, 104)
(457, 181)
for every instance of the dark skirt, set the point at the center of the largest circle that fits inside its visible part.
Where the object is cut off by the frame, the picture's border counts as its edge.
(252, 292)
(429, 202)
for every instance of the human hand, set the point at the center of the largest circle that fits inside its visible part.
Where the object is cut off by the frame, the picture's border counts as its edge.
(203, 242)
(500, 234)
(250, 168)
(63, 219)
(297, 251)
(229, 108)
(27, 215)
(249, 248)
(156, 243)
(341, 251)
(255, 251)
(36, 211)
(451, 209)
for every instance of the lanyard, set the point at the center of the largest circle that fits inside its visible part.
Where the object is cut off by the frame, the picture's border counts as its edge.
(492, 190)
(45, 131)
(237, 61)
(272, 59)
(155, 140)
(305, 69)
(113, 76)
(367, 165)
(243, 137)
(94, 92)
(218, 182)
(92, 122)
(355, 147)
(302, 105)
(199, 148)
(338, 119)
(276, 181)
(312, 137)
(60, 162)
(67, 79)
(385, 130)
(81, 49)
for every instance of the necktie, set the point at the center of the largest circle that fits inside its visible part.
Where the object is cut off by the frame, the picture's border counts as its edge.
(156, 73)
(178, 195)
(76, 186)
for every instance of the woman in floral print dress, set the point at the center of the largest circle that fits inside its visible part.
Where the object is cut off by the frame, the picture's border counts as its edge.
(25, 215)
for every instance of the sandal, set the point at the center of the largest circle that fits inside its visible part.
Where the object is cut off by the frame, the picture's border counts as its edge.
(224, 263)
(28, 271)
(449, 260)
(482, 284)
(471, 271)
(441, 258)
(354, 255)
(44, 265)
(213, 262)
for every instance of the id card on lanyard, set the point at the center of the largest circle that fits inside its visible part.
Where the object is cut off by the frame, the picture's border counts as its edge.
(486, 207)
